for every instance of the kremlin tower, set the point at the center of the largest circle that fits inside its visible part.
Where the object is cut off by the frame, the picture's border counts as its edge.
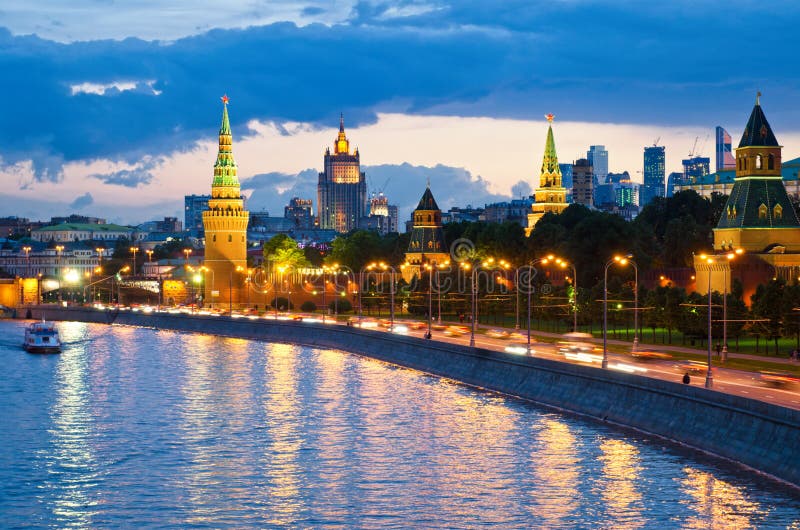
(426, 246)
(225, 224)
(550, 196)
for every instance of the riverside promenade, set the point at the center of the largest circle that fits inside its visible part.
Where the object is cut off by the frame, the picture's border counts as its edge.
(751, 432)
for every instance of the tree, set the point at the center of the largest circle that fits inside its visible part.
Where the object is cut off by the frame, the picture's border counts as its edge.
(283, 251)
(771, 304)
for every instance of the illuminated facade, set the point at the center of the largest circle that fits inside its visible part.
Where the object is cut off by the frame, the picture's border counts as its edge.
(654, 162)
(427, 237)
(342, 187)
(758, 217)
(225, 224)
(550, 196)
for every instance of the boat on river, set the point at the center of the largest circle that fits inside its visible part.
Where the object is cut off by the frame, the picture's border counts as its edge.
(42, 337)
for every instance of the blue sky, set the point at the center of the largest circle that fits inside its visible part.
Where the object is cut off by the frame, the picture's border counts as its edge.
(112, 107)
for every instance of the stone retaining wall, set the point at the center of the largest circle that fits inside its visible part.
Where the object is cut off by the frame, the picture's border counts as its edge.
(758, 434)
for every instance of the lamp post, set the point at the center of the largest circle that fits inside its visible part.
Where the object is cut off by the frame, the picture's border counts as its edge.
(27, 251)
(439, 289)
(488, 263)
(238, 268)
(204, 270)
(531, 268)
(149, 253)
(134, 250)
(709, 376)
(731, 256)
(564, 264)
(622, 261)
(187, 252)
(429, 268)
(59, 250)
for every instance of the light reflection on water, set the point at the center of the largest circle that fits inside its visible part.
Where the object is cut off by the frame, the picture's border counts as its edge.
(134, 427)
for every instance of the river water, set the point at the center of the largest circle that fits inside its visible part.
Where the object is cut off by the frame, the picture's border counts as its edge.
(137, 428)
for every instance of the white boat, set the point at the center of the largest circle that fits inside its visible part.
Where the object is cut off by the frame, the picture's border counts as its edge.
(42, 337)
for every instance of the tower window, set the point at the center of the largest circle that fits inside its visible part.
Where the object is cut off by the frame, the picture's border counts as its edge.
(758, 161)
(777, 211)
(762, 211)
(214, 239)
(771, 161)
(230, 238)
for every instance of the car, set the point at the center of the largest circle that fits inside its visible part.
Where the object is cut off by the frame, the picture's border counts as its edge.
(693, 367)
(647, 355)
(778, 379)
(519, 349)
(456, 331)
(497, 334)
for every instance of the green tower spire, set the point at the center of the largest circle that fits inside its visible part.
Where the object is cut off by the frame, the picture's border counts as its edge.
(225, 166)
(550, 176)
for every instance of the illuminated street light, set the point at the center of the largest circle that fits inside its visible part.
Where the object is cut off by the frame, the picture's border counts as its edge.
(134, 250)
(620, 260)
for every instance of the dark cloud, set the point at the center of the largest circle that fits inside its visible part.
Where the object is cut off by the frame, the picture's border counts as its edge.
(130, 178)
(311, 11)
(404, 184)
(631, 62)
(521, 190)
(82, 201)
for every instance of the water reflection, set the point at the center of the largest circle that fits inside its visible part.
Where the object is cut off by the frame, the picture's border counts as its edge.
(182, 430)
(715, 503)
(620, 479)
(555, 464)
(71, 458)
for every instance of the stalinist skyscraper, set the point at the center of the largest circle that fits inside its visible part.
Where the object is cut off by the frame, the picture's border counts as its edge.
(225, 224)
(342, 187)
(550, 196)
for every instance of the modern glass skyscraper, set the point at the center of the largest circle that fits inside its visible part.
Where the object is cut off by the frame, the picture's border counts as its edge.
(697, 166)
(654, 158)
(725, 158)
(598, 159)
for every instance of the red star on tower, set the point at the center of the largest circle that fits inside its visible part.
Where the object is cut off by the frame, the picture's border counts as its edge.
(224, 99)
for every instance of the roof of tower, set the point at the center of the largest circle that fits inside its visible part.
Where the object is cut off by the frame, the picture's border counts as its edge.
(550, 160)
(759, 203)
(225, 128)
(758, 132)
(427, 202)
(341, 122)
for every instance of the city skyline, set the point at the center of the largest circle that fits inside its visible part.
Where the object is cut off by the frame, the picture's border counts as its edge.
(136, 114)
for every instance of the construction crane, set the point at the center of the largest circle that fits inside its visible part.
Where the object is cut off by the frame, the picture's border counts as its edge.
(694, 147)
(655, 142)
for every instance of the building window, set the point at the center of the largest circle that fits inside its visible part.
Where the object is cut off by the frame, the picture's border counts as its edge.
(758, 161)
(214, 239)
(230, 238)
(777, 211)
(762, 211)
(771, 161)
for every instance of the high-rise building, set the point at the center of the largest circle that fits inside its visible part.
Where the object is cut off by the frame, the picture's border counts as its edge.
(300, 212)
(342, 187)
(382, 216)
(225, 224)
(598, 159)
(194, 206)
(550, 196)
(674, 179)
(653, 185)
(695, 167)
(566, 178)
(426, 246)
(582, 183)
(725, 158)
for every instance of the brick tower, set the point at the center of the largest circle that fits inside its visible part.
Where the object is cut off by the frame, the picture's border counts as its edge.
(225, 224)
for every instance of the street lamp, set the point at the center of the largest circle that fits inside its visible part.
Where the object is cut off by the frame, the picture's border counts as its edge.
(730, 256)
(59, 250)
(134, 250)
(429, 268)
(149, 253)
(488, 263)
(709, 261)
(187, 252)
(531, 268)
(621, 260)
(27, 251)
(439, 268)
(238, 268)
(564, 264)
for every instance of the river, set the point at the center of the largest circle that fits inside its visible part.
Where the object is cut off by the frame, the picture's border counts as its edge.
(133, 427)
